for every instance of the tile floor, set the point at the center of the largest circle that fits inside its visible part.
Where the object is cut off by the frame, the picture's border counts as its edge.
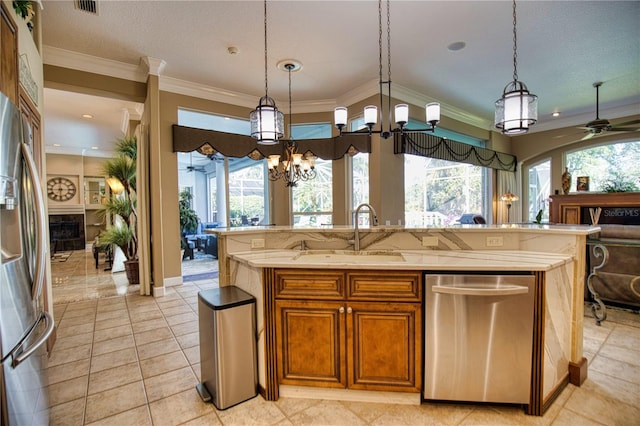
(134, 360)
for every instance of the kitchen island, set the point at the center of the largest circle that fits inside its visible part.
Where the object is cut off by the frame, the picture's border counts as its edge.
(320, 303)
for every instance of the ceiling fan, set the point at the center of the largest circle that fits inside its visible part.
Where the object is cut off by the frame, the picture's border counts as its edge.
(599, 126)
(191, 168)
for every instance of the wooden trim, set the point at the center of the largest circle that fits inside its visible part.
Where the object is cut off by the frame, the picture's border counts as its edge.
(563, 204)
(537, 360)
(397, 286)
(298, 284)
(578, 372)
(271, 372)
(557, 390)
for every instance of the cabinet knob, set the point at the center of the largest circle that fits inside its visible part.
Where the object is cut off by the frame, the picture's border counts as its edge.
(349, 310)
(341, 310)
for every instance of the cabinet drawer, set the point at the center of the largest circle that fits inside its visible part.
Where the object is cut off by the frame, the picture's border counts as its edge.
(385, 285)
(301, 284)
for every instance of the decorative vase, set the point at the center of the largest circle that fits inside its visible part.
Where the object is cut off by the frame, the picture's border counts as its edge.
(566, 181)
(132, 268)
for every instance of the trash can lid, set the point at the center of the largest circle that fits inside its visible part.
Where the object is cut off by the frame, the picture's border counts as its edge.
(225, 297)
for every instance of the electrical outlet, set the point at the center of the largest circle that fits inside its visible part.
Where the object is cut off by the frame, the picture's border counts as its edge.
(257, 243)
(429, 241)
(494, 242)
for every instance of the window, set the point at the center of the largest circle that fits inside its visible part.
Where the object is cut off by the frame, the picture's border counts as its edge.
(610, 168)
(439, 192)
(312, 201)
(539, 190)
(359, 164)
(246, 192)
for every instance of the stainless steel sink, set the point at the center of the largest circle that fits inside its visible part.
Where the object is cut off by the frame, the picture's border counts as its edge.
(348, 256)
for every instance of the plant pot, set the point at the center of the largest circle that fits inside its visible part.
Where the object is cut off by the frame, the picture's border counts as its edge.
(132, 268)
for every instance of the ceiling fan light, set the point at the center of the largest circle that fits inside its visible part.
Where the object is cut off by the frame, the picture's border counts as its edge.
(516, 110)
(402, 114)
(267, 123)
(370, 115)
(433, 113)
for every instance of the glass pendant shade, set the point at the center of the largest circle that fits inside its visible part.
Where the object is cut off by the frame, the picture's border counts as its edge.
(267, 123)
(370, 115)
(516, 110)
(433, 113)
(402, 114)
(340, 117)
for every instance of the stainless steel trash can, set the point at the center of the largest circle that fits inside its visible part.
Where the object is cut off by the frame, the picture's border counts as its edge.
(228, 364)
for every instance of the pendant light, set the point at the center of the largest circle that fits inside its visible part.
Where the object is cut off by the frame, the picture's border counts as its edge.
(267, 123)
(517, 109)
(401, 111)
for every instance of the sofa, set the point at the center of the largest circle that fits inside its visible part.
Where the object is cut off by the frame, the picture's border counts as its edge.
(618, 281)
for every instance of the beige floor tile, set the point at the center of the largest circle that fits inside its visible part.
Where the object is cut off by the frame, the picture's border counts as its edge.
(67, 371)
(161, 333)
(68, 390)
(144, 316)
(63, 356)
(570, 418)
(196, 371)
(188, 340)
(177, 310)
(292, 406)
(609, 386)
(114, 401)
(73, 330)
(161, 364)
(113, 359)
(253, 411)
(82, 305)
(616, 368)
(185, 328)
(75, 321)
(181, 318)
(171, 303)
(192, 354)
(67, 414)
(112, 345)
(179, 408)
(111, 314)
(602, 409)
(150, 324)
(625, 354)
(114, 377)
(170, 383)
(112, 333)
(89, 312)
(113, 322)
(74, 341)
(210, 419)
(138, 416)
(160, 347)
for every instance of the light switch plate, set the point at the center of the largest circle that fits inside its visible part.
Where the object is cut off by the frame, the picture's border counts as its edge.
(494, 241)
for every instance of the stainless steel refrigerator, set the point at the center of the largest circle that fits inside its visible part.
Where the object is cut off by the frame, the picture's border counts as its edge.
(24, 325)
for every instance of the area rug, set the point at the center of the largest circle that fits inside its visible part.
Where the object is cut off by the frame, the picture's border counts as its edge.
(60, 256)
(198, 277)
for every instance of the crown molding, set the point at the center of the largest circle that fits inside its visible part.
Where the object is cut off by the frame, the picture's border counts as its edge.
(93, 64)
(154, 66)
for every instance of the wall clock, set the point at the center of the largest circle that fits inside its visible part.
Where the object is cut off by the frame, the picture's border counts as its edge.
(60, 189)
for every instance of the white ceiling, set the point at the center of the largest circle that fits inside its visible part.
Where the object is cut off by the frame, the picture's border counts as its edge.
(563, 48)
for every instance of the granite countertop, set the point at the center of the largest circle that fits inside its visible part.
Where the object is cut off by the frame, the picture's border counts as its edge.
(458, 260)
(545, 228)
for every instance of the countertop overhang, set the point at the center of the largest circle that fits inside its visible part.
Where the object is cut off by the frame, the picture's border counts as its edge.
(434, 260)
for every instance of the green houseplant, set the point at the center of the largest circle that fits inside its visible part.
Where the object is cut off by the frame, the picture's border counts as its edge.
(188, 218)
(121, 172)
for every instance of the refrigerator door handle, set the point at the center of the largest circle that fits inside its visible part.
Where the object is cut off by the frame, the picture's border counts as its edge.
(18, 354)
(470, 290)
(38, 278)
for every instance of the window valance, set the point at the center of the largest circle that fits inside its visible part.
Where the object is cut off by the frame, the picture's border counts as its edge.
(428, 145)
(210, 142)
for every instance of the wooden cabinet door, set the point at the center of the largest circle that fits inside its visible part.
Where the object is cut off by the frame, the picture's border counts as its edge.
(383, 346)
(8, 55)
(311, 343)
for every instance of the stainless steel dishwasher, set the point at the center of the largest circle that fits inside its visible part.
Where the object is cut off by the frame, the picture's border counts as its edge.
(478, 337)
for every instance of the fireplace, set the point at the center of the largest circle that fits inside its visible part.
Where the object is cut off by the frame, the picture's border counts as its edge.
(66, 232)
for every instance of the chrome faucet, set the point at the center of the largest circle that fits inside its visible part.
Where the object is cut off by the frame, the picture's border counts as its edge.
(373, 220)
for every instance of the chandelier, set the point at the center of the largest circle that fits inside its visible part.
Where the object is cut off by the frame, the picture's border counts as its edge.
(295, 167)
(401, 111)
(517, 109)
(267, 123)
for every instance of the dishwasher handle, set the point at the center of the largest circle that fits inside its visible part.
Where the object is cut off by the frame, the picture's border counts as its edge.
(480, 290)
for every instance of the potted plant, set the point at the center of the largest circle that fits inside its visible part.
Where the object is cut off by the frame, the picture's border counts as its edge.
(188, 218)
(121, 176)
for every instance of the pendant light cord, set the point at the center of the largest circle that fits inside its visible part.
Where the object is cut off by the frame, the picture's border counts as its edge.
(515, 45)
(388, 82)
(266, 85)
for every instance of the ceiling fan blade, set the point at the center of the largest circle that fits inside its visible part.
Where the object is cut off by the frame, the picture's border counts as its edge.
(587, 136)
(620, 129)
(584, 128)
(627, 123)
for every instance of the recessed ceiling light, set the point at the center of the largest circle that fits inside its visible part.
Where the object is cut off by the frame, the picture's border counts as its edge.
(56, 144)
(455, 46)
(555, 114)
(87, 116)
(94, 147)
